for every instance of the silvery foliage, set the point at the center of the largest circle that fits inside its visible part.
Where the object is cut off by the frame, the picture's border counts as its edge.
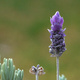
(62, 77)
(8, 72)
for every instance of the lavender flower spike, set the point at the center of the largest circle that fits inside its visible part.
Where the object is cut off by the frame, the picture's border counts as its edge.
(57, 46)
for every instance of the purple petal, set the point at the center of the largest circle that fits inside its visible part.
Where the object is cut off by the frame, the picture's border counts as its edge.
(33, 67)
(38, 66)
(64, 29)
(51, 31)
(52, 26)
(57, 13)
(61, 21)
(55, 19)
(51, 21)
(56, 27)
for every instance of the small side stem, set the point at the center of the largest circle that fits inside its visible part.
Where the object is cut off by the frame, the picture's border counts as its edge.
(57, 65)
(36, 76)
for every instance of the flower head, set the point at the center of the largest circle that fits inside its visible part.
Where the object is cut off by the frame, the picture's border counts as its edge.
(37, 70)
(57, 46)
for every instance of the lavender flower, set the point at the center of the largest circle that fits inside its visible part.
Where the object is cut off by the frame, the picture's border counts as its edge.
(57, 46)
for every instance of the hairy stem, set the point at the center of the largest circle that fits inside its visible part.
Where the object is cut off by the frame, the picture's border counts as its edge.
(57, 64)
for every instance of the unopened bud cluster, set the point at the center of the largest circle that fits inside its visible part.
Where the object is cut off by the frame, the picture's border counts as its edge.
(37, 70)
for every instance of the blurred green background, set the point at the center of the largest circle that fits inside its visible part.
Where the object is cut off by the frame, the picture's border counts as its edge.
(24, 36)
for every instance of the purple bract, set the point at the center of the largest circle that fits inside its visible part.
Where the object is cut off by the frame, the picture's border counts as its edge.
(57, 46)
